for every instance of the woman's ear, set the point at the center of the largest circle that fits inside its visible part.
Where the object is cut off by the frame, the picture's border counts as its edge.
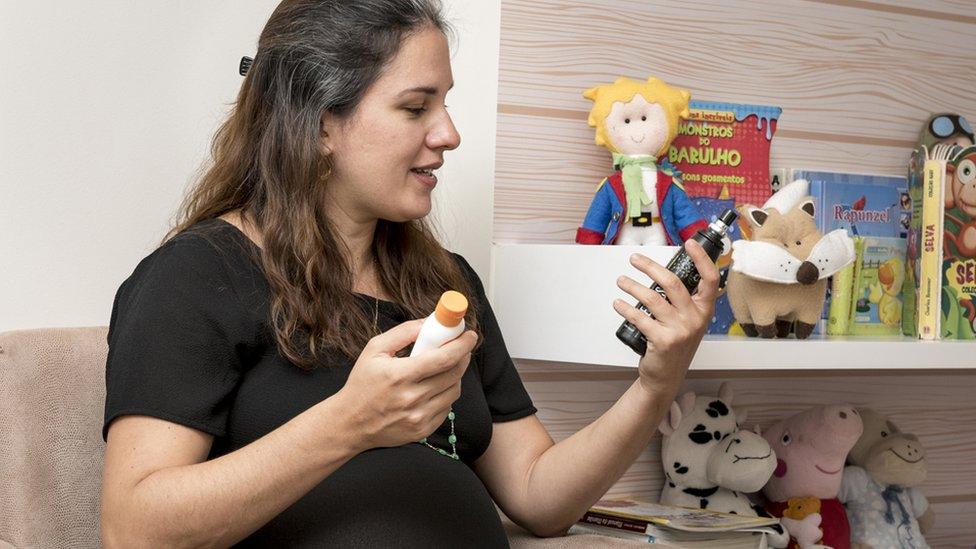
(328, 125)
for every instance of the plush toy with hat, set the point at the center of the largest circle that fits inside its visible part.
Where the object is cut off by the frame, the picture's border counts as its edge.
(642, 201)
(709, 463)
(811, 448)
(884, 506)
(778, 278)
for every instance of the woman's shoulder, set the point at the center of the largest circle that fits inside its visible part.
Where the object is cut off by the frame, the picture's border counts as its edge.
(205, 252)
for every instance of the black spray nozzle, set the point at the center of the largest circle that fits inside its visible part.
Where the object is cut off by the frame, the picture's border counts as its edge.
(245, 65)
(728, 217)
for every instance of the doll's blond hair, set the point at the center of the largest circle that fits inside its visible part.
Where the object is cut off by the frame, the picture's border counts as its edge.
(673, 100)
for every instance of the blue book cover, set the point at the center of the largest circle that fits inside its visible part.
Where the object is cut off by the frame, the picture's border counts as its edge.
(864, 205)
(710, 209)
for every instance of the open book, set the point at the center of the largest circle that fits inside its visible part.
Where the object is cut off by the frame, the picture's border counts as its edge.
(675, 526)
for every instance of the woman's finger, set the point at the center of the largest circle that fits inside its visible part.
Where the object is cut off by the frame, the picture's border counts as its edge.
(647, 325)
(676, 292)
(654, 302)
(708, 286)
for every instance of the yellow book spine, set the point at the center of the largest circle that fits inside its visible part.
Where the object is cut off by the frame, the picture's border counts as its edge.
(842, 294)
(930, 281)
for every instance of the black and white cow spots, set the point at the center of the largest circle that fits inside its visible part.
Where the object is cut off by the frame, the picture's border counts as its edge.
(704, 464)
(717, 408)
(701, 435)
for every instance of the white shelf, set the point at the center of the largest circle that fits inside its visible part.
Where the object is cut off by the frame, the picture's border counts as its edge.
(554, 303)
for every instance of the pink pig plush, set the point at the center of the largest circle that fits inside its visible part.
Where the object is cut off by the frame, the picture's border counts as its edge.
(811, 448)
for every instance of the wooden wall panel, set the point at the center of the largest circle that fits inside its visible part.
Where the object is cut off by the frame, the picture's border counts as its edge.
(541, 196)
(948, 10)
(939, 409)
(954, 525)
(856, 80)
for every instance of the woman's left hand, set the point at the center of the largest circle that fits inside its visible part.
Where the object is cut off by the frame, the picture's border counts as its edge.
(677, 328)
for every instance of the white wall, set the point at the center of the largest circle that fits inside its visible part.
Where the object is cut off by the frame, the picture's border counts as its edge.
(106, 113)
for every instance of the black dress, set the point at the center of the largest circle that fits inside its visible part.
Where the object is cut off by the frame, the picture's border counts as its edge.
(189, 342)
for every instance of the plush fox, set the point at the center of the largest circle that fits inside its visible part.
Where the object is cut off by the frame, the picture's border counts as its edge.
(779, 277)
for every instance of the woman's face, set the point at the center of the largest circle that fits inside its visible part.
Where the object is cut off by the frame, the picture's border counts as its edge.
(384, 152)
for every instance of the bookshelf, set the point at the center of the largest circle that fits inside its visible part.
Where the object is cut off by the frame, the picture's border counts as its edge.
(553, 303)
(855, 81)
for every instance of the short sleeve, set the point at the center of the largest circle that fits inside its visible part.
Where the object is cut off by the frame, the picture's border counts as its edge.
(919, 502)
(853, 484)
(175, 339)
(506, 395)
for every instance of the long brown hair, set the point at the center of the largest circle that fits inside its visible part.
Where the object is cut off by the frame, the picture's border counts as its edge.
(313, 57)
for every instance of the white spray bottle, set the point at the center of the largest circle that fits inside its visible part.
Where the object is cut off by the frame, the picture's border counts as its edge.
(444, 324)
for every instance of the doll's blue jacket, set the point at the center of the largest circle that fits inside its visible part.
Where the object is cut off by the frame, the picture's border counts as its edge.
(679, 215)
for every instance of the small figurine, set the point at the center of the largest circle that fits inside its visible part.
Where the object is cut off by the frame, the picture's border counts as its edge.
(643, 202)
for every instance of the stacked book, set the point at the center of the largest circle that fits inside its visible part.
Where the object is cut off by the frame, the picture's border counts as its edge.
(670, 526)
(940, 268)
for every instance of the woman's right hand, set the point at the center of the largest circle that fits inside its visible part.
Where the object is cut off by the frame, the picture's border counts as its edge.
(394, 401)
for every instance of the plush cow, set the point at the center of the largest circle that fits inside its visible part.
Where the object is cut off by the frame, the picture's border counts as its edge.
(709, 463)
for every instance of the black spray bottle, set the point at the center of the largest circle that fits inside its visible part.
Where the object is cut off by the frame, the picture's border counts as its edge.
(683, 266)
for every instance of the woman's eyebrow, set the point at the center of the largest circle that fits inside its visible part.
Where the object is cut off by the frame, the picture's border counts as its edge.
(429, 90)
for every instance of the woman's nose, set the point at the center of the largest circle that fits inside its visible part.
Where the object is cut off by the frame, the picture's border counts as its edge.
(444, 135)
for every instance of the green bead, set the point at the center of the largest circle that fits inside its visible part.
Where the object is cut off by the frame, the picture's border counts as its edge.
(442, 452)
(423, 441)
(450, 416)
(452, 439)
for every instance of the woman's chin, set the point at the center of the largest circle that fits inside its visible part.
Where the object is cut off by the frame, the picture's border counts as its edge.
(416, 210)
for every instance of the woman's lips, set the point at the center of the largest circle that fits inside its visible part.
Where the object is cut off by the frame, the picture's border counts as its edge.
(429, 181)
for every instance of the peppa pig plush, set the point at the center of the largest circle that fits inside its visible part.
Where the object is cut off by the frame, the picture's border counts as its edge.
(811, 448)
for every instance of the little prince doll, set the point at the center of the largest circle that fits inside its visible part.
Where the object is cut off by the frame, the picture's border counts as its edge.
(642, 202)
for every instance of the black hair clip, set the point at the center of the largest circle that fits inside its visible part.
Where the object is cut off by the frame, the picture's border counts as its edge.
(246, 63)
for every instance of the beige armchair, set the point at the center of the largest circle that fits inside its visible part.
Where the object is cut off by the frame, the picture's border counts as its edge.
(52, 394)
(52, 398)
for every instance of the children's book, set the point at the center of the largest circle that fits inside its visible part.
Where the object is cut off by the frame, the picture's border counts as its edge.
(722, 154)
(877, 297)
(723, 149)
(672, 526)
(678, 518)
(957, 304)
(940, 270)
(913, 250)
(868, 207)
(864, 205)
(841, 303)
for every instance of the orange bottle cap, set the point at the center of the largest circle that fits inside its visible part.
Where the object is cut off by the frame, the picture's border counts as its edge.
(451, 308)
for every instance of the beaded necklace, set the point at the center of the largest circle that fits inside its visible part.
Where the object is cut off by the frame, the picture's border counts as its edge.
(452, 438)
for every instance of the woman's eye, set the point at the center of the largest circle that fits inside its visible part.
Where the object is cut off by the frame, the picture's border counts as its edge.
(416, 111)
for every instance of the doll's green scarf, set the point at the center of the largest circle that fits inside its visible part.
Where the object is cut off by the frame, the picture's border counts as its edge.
(630, 168)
